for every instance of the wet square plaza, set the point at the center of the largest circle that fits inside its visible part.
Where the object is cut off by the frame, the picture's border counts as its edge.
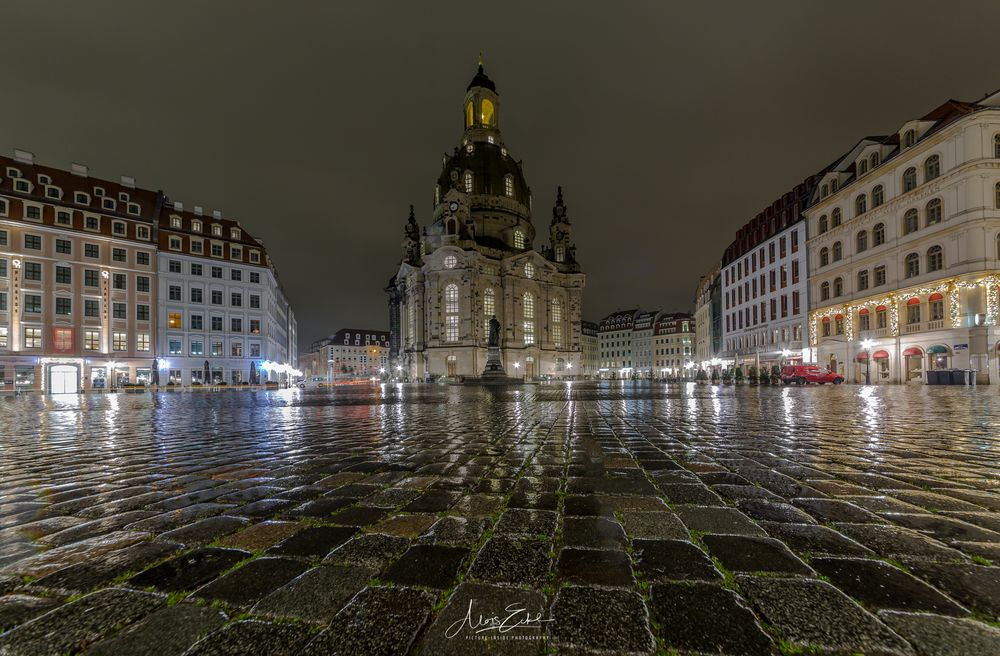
(577, 519)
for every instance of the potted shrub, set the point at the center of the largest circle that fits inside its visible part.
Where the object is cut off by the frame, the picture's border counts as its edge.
(701, 377)
(763, 376)
(738, 376)
(727, 377)
(752, 375)
(775, 375)
(715, 377)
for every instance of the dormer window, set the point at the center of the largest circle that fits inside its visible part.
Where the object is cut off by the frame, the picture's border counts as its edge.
(98, 191)
(824, 191)
(834, 184)
(176, 222)
(81, 198)
(175, 243)
(874, 160)
(216, 229)
(255, 257)
(23, 186)
(235, 233)
(862, 167)
(909, 138)
(53, 192)
(133, 208)
(44, 179)
(142, 232)
(118, 228)
(235, 253)
(13, 173)
(196, 226)
(108, 203)
(123, 197)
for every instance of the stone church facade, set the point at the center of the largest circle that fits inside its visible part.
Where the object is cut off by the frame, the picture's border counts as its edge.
(478, 258)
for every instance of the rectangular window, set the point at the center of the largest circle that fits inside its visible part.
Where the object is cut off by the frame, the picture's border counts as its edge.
(197, 322)
(174, 320)
(142, 312)
(64, 246)
(236, 299)
(32, 338)
(119, 341)
(236, 349)
(197, 348)
(864, 322)
(119, 255)
(236, 325)
(216, 349)
(119, 311)
(142, 341)
(254, 277)
(197, 246)
(90, 308)
(174, 266)
(255, 301)
(34, 213)
(32, 271)
(142, 259)
(795, 241)
(879, 276)
(235, 253)
(33, 242)
(255, 350)
(217, 272)
(195, 269)
(912, 314)
(119, 281)
(795, 302)
(216, 250)
(236, 274)
(174, 292)
(64, 306)
(92, 223)
(3, 301)
(196, 295)
(3, 233)
(91, 340)
(255, 326)
(63, 218)
(64, 275)
(91, 250)
(142, 284)
(216, 297)
(795, 271)
(33, 303)
(174, 347)
(91, 278)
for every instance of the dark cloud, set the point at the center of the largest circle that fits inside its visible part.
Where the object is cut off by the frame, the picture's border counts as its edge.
(316, 124)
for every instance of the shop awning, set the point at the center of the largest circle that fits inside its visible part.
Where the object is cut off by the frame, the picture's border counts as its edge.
(881, 355)
(862, 356)
(913, 350)
(939, 349)
(935, 297)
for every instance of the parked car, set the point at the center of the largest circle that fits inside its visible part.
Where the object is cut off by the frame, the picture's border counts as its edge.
(800, 374)
(313, 382)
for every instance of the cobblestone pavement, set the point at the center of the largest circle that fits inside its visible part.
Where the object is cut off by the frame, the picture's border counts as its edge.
(551, 519)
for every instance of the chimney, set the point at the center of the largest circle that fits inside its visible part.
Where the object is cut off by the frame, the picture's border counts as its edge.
(79, 169)
(24, 156)
(217, 214)
(178, 206)
(198, 210)
(128, 181)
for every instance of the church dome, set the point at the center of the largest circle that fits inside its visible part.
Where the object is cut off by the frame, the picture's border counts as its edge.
(482, 80)
(491, 170)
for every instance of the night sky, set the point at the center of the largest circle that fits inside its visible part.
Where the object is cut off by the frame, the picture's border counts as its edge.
(316, 124)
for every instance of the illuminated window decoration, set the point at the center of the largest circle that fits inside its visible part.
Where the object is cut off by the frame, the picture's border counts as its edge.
(508, 186)
(518, 239)
(556, 319)
(468, 182)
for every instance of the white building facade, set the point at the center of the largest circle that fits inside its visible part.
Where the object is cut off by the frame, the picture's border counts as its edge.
(905, 250)
(614, 337)
(764, 286)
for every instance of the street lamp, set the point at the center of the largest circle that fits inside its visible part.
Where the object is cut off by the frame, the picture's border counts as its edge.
(867, 346)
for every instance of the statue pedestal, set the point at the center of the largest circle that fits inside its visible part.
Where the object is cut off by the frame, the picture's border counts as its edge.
(494, 367)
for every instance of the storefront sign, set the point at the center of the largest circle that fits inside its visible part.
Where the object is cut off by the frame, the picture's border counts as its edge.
(960, 347)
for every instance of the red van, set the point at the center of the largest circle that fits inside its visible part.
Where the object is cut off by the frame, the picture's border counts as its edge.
(800, 374)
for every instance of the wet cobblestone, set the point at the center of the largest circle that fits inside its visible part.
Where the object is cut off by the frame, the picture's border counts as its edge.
(585, 518)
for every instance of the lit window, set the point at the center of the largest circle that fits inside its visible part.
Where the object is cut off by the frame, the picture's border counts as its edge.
(489, 308)
(556, 318)
(119, 341)
(528, 312)
(174, 320)
(91, 340)
(450, 261)
(486, 115)
(560, 253)
(32, 338)
(508, 186)
(468, 182)
(529, 270)
(451, 313)
(518, 239)
(175, 222)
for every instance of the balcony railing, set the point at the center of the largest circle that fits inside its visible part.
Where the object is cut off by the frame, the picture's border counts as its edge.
(935, 325)
(913, 328)
(875, 333)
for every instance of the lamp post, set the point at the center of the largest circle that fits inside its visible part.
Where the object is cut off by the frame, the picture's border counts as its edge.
(867, 346)
(517, 366)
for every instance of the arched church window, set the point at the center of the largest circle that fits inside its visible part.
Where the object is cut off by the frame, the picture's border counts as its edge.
(529, 270)
(451, 227)
(468, 182)
(450, 261)
(528, 312)
(508, 186)
(451, 313)
(518, 239)
(560, 253)
(489, 308)
(437, 194)
(556, 310)
(468, 115)
(487, 112)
